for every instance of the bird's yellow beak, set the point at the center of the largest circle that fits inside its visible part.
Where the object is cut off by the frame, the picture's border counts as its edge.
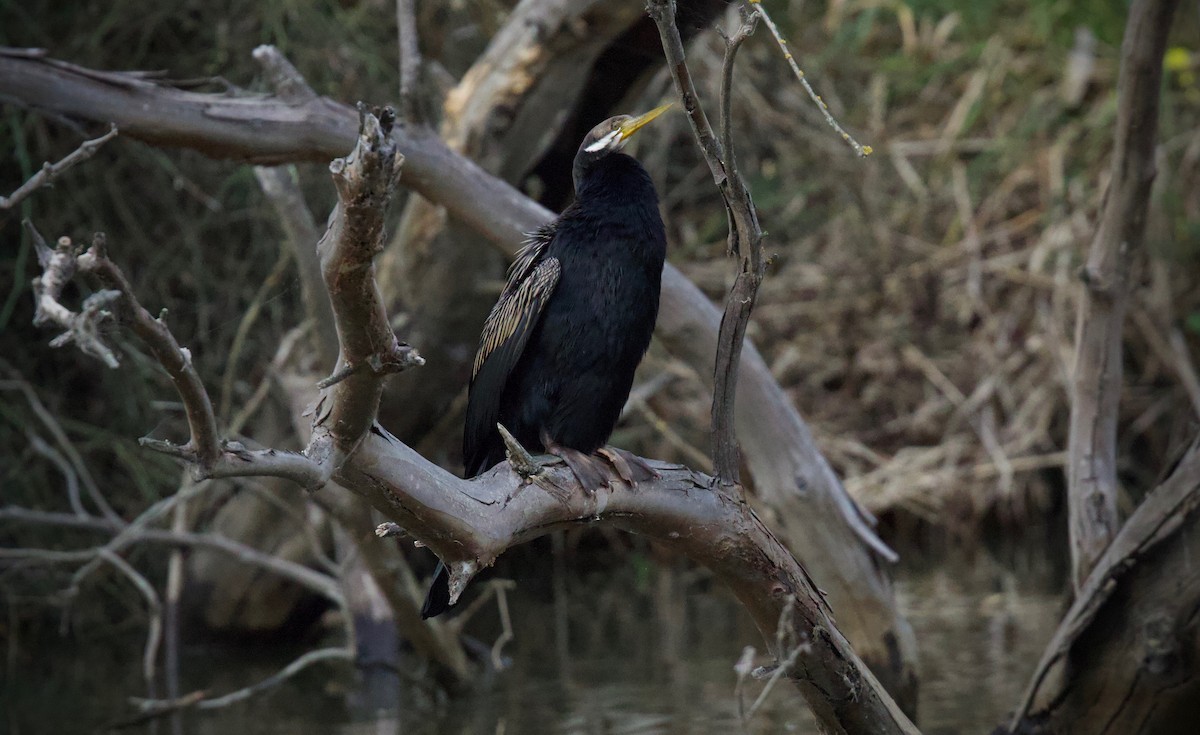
(637, 123)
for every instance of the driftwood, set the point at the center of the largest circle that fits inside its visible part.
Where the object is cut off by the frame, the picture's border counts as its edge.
(1096, 389)
(791, 477)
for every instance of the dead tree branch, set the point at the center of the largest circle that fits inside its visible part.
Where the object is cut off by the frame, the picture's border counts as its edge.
(470, 523)
(320, 583)
(1096, 389)
(745, 235)
(410, 59)
(821, 521)
(51, 171)
(199, 700)
(861, 150)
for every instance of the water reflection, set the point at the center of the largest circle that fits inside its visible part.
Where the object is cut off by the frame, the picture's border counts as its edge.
(598, 656)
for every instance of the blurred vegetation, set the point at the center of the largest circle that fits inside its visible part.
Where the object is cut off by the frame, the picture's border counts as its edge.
(920, 304)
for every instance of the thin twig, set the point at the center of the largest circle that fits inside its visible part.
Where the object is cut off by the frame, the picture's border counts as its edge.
(50, 171)
(749, 20)
(137, 533)
(154, 615)
(171, 614)
(56, 430)
(862, 150)
(785, 640)
(249, 317)
(743, 668)
(287, 672)
(518, 456)
(506, 628)
(64, 467)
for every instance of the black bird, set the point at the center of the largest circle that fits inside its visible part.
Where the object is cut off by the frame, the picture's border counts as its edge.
(558, 352)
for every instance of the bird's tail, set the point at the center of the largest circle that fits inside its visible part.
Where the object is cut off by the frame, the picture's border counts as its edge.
(437, 600)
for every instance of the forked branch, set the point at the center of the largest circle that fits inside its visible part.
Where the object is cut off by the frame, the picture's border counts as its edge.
(470, 523)
(745, 234)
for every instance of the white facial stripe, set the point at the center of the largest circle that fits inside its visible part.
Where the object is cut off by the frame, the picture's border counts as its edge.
(603, 143)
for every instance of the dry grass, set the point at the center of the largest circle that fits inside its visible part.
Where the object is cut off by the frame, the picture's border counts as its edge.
(921, 306)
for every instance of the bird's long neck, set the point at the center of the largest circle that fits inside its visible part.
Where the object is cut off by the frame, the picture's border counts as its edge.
(616, 180)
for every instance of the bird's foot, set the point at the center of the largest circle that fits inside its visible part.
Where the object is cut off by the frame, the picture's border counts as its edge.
(586, 467)
(631, 468)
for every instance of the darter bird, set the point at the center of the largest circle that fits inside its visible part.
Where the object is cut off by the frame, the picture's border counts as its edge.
(559, 349)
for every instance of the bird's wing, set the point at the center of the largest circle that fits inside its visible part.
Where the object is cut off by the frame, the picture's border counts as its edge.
(531, 280)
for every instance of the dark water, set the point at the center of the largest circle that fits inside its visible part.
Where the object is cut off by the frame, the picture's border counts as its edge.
(625, 657)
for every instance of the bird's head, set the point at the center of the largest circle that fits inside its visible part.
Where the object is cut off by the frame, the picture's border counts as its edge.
(610, 136)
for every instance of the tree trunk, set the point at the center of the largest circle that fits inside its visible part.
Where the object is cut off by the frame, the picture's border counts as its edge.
(1096, 385)
(1126, 658)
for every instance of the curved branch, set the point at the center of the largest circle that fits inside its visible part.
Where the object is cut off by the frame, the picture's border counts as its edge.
(470, 523)
(820, 520)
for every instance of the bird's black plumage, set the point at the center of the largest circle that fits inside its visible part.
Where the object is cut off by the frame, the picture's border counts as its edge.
(567, 368)
(558, 352)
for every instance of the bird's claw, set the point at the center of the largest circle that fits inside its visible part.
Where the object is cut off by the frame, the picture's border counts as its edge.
(630, 467)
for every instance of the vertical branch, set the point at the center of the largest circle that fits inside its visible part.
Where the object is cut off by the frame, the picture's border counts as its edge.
(365, 181)
(1092, 447)
(745, 235)
(282, 188)
(410, 59)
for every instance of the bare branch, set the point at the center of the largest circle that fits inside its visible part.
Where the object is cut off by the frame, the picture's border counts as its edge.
(52, 425)
(322, 584)
(198, 700)
(862, 150)
(283, 191)
(83, 328)
(287, 82)
(236, 460)
(1096, 390)
(176, 360)
(745, 235)
(64, 467)
(50, 171)
(365, 182)
(209, 456)
(468, 523)
(410, 60)
(154, 629)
